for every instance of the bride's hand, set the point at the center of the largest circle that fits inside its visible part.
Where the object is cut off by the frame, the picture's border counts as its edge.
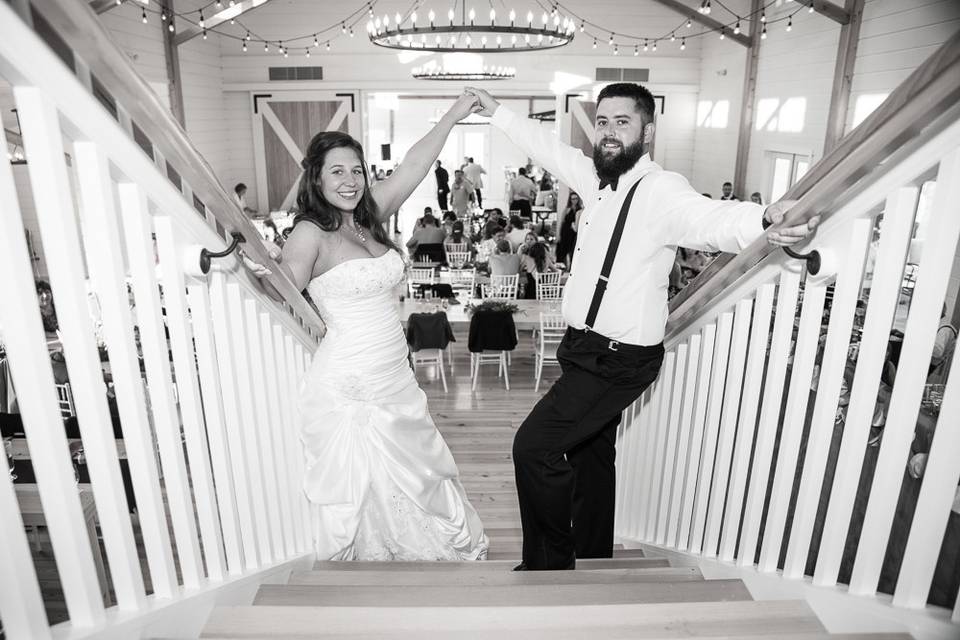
(258, 269)
(465, 105)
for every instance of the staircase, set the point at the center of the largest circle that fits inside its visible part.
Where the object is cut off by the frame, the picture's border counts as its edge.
(629, 596)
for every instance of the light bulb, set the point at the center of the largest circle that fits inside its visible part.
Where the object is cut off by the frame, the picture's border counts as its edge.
(636, 50)
(790, 23)
(736, 29)
(473, 16)
(683, 44)
(493, 15)
(143, 16)
(431, 16)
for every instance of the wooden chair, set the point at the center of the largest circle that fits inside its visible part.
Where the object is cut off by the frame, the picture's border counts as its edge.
(457, 255)
(419, 276)
(548, 338)
(548, 285)
(65, 400)
(501, 287)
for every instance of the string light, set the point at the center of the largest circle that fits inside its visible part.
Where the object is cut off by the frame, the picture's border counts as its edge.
(204, 34)
(201, 19)
(683, 44)
(328, 45)
(811, 7)
(616, 50)
(645, 46)
(722, 34)
(316, 42)
(636, 50)
(594, 43)
(244, 47)
(790, 23)
(143, 16)
(170, 26)
(763, 34)
(689, 23)
(763, 16)
(654, 46)
(163, 16)
(736, 29)
(219, 4)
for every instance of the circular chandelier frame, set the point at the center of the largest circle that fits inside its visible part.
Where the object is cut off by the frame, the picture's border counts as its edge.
(435, 73)
(519, 38)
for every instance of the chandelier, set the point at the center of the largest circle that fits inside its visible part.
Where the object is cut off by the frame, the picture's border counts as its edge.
(511, 32)
(441, 73)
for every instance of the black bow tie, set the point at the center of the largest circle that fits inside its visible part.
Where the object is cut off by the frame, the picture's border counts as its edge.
(612, 183)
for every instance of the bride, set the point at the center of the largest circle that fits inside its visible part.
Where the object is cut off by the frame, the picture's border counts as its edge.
(382, 482)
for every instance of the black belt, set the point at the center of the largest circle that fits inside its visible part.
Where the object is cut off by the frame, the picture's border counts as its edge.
(602, 341)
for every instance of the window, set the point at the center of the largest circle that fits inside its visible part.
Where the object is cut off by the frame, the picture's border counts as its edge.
(785, 169)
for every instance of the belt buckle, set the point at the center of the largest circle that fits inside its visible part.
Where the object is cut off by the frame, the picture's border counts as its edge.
(613, 345)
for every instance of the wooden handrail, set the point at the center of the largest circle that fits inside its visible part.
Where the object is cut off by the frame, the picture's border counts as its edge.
(82, 30)
(920, 107)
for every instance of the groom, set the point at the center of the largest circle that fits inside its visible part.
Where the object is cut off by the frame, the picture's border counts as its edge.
(615, 303)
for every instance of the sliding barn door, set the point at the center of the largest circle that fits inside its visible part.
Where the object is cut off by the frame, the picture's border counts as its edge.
(284, 123)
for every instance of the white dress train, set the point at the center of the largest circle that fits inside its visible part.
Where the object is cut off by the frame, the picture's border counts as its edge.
(381, 480)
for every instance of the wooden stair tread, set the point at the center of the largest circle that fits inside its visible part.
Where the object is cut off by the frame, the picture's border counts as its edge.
(664, 620)
(502, 596)
(488, 565)
(571, 633)
(459, 578)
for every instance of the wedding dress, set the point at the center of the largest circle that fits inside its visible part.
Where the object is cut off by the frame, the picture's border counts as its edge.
(382, 482)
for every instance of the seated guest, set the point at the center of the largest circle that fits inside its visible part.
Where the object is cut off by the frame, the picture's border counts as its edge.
(534, 260)
(516, 232)
(491, 238)
(756, 198)
(727, 191)
(504, 262)
(457, 236)
(449, 218)
(427, 231)
(528, 241)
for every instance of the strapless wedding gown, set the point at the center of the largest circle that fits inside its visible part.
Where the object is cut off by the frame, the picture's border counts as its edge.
(381, 480)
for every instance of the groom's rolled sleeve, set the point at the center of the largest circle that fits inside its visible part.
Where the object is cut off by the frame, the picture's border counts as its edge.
(567, 163)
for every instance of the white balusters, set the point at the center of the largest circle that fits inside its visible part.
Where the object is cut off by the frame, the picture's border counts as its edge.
(664, 487)
(178, 323)
(653, 425)
(695, 452)
(108, 275)
(728, 423)
(835, 360)
(201, 318)
(21, 604)
(937, 494)
(939, 248)
(268, 416)
(711, 429)
(230, 375)
(140, 252)
(31, 372)
(659, 431)
(769, 414)
(752, 384)
(885, 289)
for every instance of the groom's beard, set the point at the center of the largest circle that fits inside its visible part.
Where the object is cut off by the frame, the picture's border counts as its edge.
(613, 165)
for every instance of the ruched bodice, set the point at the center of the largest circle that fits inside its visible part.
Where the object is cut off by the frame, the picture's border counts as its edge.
(382, 480)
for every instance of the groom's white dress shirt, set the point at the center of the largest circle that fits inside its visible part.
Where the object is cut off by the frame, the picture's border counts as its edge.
(666, 212)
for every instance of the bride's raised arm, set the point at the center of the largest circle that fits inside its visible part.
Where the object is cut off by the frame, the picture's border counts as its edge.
(391, 193)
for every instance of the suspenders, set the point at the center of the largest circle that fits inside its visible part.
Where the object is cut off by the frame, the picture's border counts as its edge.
(610, 257)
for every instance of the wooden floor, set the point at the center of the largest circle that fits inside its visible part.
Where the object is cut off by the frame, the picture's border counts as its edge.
(478, 426)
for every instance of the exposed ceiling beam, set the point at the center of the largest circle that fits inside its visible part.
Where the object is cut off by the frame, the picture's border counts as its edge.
(706, 21)
(102, 6)
(826, 8)
(224, 15)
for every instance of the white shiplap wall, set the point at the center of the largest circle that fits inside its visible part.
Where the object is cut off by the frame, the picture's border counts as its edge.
(797, 65)
(200, 74)
(715, 143)
(895, 38)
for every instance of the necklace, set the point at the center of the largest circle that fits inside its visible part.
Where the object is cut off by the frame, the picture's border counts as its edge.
(358, 230)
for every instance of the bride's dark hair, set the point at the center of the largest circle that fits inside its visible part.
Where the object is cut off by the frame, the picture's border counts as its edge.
(313, 207)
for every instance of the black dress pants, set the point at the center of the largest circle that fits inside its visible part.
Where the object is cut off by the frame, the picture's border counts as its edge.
(442, 200)
(564, 452)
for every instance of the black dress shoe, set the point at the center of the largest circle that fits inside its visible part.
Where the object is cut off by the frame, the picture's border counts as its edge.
(521, 567)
